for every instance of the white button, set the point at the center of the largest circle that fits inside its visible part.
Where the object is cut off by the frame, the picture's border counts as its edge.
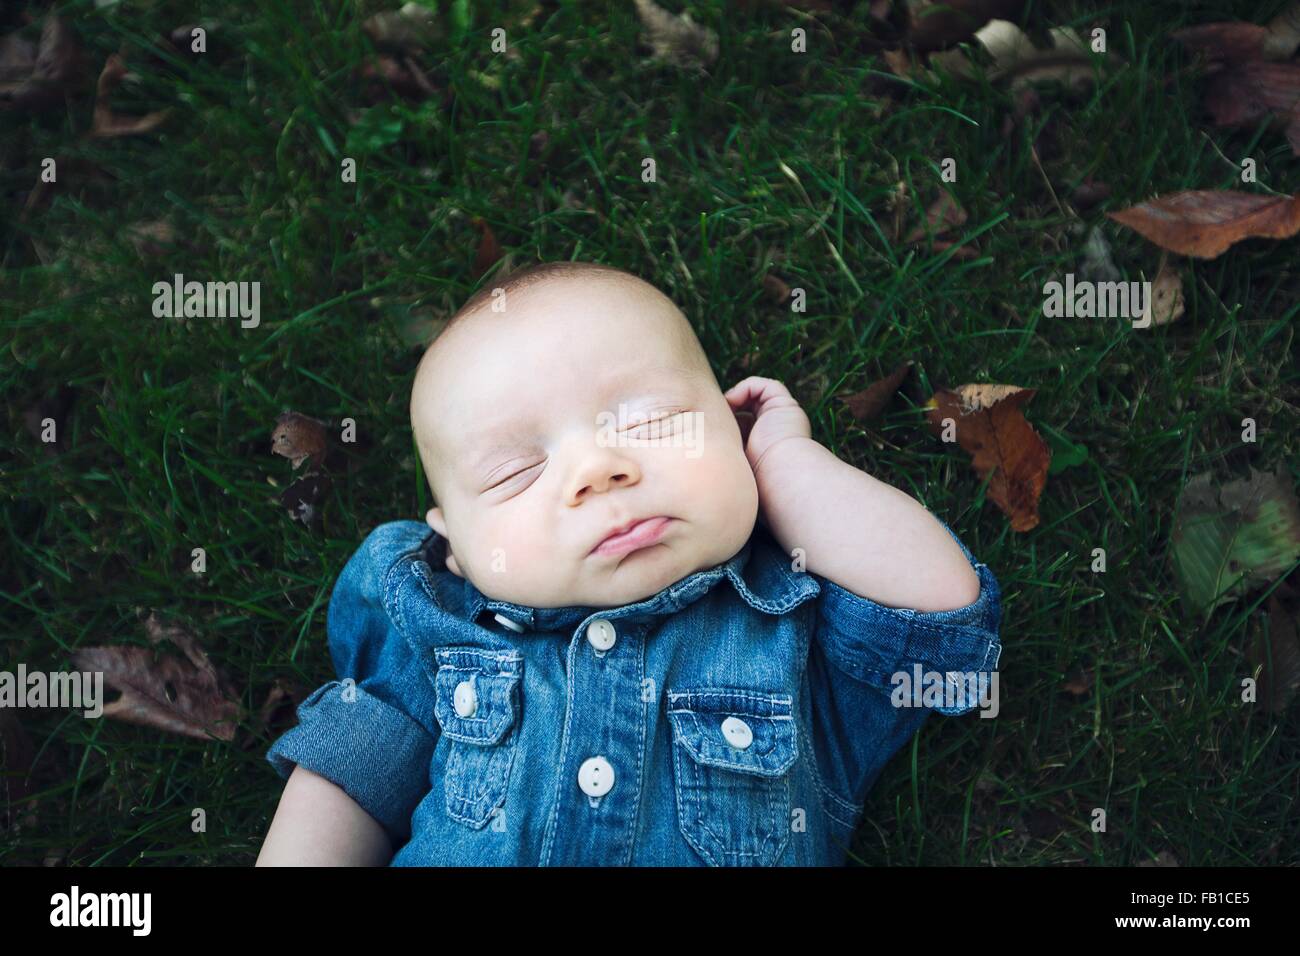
(596, 777)
(465, 699)
(737, 733)
(505, 621)
(600, 634)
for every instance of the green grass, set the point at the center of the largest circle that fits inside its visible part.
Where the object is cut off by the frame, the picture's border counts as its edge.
(167, 444)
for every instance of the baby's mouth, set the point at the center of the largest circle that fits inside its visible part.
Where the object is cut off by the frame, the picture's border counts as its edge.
(641, 534)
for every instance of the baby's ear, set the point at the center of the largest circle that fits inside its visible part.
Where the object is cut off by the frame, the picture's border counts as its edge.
(434, 519)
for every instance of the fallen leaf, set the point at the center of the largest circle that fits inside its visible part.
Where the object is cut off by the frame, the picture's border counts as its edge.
(990, 425)
(1236, 42)
(934, 24)
(168, 693)
(1166, 302)
(302, 498)
(106, 123)
(32, 83)
(871, 401)
(1276, 657)
(1228, 539)
(1069, 60)
(677, 39)
(1247, 93)
(298, 437)
(1205, 222)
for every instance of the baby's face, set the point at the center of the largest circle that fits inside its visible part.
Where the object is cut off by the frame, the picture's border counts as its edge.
(577, 411)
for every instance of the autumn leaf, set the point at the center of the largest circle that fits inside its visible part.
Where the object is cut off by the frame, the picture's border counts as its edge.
(1205, 222)
(935, 24)
(107, 123)
(184, 696)
(1230, 538)
(1247, 93)
(776, 289)
(302, 498)
(298, 437)
(34, 78)
(1166, 302)
(871, 401)
(1069, 61)
(989, 424)
(677, 39)
(1235, 42)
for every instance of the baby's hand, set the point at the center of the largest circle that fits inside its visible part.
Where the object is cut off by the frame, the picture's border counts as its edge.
(774, 414)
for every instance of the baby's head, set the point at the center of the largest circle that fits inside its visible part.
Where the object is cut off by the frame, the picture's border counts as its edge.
(584, 404)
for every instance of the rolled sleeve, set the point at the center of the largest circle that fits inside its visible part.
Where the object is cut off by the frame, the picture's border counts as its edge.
(872, 643)
(372, 732)
(357, 741)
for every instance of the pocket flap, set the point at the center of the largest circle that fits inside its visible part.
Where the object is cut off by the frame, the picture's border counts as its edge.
(763, 722)
(492, 677)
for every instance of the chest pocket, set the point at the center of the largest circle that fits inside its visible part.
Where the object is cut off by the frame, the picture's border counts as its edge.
(732, 753)
(476, 704)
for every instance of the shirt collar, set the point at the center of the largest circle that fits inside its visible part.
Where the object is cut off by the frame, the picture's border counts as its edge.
(759, 572)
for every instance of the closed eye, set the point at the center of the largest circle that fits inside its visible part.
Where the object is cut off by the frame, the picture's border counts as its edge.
(655, 422)
(513, 475)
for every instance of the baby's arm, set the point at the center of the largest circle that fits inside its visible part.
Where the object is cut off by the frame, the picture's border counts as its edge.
(317, 824)
(866, 536)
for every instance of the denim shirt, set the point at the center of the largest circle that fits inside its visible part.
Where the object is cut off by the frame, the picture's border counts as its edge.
(737, 717)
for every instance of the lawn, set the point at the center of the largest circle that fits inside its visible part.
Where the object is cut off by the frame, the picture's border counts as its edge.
(809, 168)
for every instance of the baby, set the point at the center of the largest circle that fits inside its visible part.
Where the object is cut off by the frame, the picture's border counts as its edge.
(648, 622)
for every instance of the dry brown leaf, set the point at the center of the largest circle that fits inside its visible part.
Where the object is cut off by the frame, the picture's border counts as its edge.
(1246, 93)
(1205, 222)
(298, 437)
(179, 696)
(935, 24)
(302, 498)
(106, 123)
(677, 39)
(1069, 60)
(34, 78)
(1166, 302)
(1238, 42)
(990, 425)
(871, 401)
